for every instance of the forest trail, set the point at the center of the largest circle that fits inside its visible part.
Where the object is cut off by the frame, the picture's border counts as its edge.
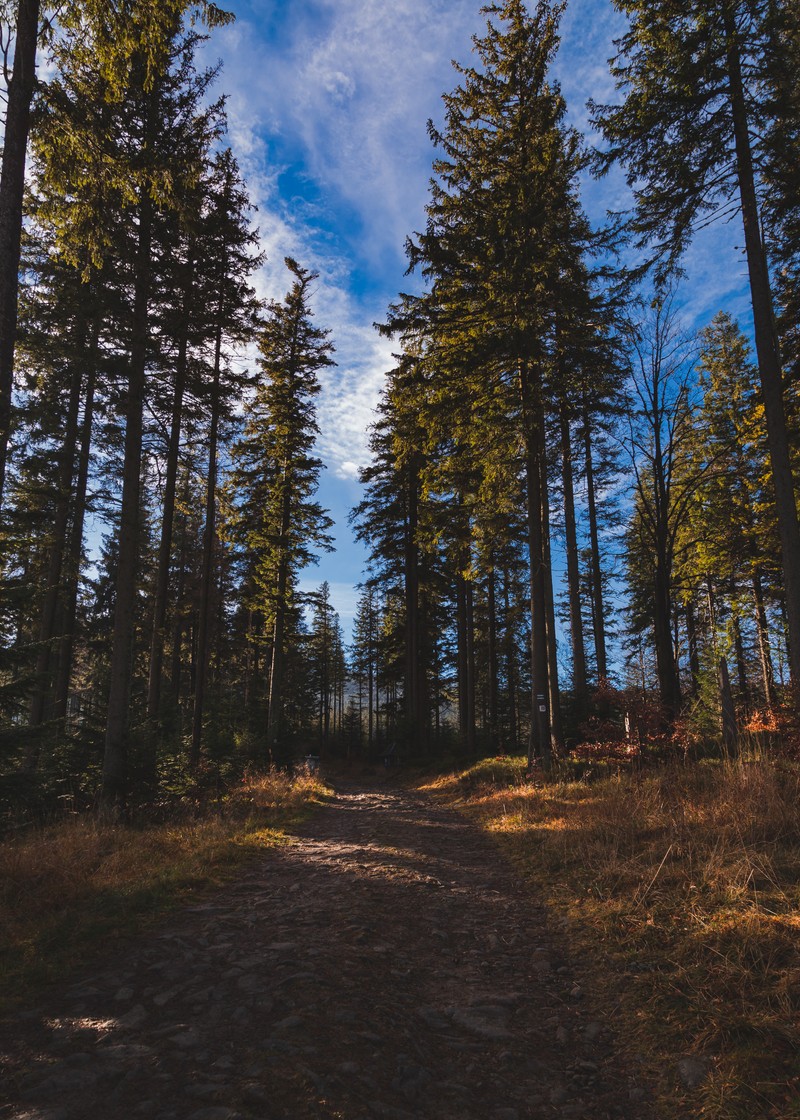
(387, 964)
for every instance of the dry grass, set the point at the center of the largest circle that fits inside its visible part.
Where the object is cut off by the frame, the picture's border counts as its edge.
(682, 888)
(67, 887)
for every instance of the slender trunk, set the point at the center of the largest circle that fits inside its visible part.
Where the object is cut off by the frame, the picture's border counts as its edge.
(769, 366)
(411, 575)
(370, 693)
(168, 513)
(470, 662)
(248, 639)
(556, 723)
(511, 668)
(579, 681)
(115, 758)
(765, 654)
(58, 544)
(691, 640)
(207, 573)
(462, 658)
(491, 605)
(275, 713)
(741, 660)
(539, 739)
(72, 567)
(598, 607)
(668, 687)
(21, 86)
(176, 659)
(730, 731)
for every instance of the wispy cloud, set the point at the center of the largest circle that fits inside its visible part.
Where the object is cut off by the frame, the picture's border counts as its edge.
(328, 103)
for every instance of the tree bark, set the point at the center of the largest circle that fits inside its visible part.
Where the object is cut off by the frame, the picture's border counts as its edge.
(491, 606)
(741, 660)
(539, 739)
(579, 680)
(765, 654)
(72, 566)
(691, 640)
(598, 607)
(469, 589)
(168, 513)
(58, 545)
(666, 669)
(115, 758)
(21, 87)
(511, 668)
(411, 574)
(207, 573)
(730, 730)
(462, 658)
(554, 696)
(275, 711)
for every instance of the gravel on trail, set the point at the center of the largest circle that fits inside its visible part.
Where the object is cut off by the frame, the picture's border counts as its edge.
(386, 964)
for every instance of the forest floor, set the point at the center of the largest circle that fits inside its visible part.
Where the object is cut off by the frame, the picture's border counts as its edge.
(388, 962)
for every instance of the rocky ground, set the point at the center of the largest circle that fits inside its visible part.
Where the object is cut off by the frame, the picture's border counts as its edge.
(386, 965)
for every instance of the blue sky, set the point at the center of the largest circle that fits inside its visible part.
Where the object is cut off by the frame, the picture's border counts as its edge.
(328, 102)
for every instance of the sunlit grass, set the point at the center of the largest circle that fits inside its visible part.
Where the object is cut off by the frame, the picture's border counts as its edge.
(69, 886)
(682, 887)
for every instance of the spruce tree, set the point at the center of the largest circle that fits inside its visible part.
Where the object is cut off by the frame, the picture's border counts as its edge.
(275, 519)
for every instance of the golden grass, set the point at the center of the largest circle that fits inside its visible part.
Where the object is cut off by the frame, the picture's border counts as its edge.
(682, 889)
(66, 887)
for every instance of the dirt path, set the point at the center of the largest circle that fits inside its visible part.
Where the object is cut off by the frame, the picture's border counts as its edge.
(386, 965)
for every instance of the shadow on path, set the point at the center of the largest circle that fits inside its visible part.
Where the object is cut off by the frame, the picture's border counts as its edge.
(386, 964)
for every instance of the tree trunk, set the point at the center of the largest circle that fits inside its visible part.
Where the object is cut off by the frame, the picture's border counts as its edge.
(767, 674)
(691, 640)
(411, 575)
(666, 669)
(176, 658)
(168, 514)
(510, 650)
(554, 696)
(491, 607)
(58, 544)
(741, 660)
(470, 663)
(72, 567)
(579, 682)
(275, 711)
(730, 730)
(21, 87)
(539, 739)
(370, 690)
(769, 366)
(462, 659)
(207, 573)
(598, 607)
(115, 758)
